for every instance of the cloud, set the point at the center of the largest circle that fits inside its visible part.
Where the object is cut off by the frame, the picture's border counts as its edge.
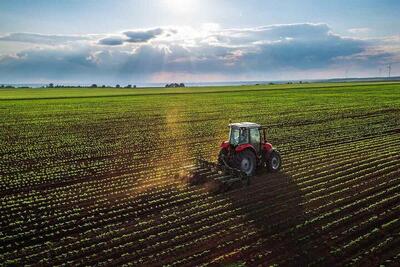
(267, 52)
(140, 36)
(36, 38)
(315, 51)
(136, 36)
(359, 30)
(273, 33)
(46, 64)
(116, 40)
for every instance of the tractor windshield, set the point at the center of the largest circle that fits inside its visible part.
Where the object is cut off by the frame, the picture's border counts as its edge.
(238, 136)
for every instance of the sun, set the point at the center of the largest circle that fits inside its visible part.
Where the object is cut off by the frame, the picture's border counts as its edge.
(181, 6)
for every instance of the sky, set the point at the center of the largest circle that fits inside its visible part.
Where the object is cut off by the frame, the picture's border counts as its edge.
(128, 41)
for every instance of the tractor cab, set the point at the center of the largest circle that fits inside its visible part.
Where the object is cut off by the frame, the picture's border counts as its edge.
(247, 133)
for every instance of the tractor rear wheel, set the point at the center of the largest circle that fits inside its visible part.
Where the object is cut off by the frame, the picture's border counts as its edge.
(274, 161)
(246, 162)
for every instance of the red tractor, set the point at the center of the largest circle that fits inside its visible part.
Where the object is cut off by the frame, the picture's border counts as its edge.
(248, 149)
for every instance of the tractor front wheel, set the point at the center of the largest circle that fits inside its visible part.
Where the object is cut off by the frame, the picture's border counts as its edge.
(246, 162)
(274, 161)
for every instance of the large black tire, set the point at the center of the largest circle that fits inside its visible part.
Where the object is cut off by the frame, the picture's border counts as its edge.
(274, 161)
(246, 161)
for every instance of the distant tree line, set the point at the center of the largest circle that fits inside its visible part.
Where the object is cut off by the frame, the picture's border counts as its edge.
(9, 86)
(51, 85)
(116, 86)
(3, 86)
(174, 85)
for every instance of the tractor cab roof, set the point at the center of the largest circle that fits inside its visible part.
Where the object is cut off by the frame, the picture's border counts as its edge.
(245, 125)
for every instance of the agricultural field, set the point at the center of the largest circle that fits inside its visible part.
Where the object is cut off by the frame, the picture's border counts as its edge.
(98, 177)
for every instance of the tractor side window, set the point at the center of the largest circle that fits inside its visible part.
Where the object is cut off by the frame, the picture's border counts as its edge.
(255, 135)
(234, 140)
(243, 136)
(255, 138)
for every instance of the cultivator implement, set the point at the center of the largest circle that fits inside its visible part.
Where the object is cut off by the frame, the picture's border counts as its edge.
(221, 175)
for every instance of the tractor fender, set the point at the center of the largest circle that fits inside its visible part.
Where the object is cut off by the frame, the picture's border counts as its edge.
(268, 153)
(225, 145)
(267, 147)
(243, 147)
